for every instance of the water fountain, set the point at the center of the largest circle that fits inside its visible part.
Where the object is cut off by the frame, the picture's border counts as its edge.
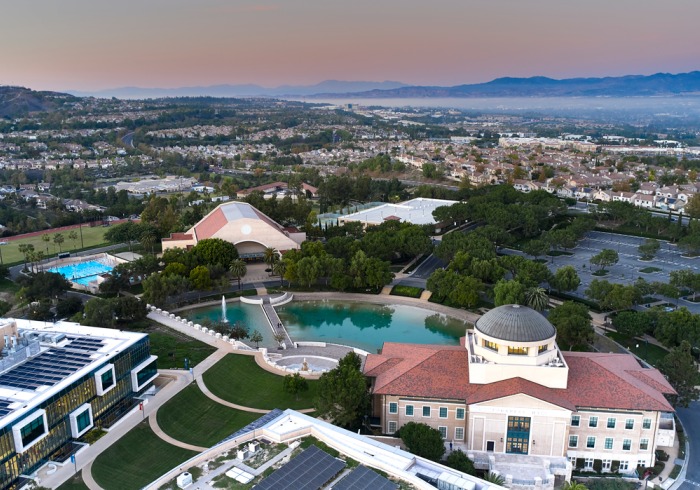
(223, 310)
(304, 365)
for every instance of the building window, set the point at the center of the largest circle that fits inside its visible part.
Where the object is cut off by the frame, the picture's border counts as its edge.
(643, 444)
(460, 414)
(542, 348)
(393, 407)
(626, 444)
(409, 410)
(590, 442)
(573, 441)
(426, 411)
(459, 433)
(641, 463)
(588, 464)
(518, 435)
(443, 412)
(646, 424)
(572, 460)
(624, 465)
(575, 420)
(611, 422)
(608, 443)
(517, 351)
(607, 464)
(443, 431)
(392, 427)
(629, 424)
(593, 422)
(491, 345)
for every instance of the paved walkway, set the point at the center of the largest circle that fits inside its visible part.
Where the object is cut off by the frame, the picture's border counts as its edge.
(177, 380)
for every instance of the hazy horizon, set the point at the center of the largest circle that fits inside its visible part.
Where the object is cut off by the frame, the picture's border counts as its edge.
(83, 45)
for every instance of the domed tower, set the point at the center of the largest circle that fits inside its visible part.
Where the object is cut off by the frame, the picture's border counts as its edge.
(515, 341)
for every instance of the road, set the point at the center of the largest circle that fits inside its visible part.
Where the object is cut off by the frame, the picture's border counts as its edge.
(128, 139)
(690, 417)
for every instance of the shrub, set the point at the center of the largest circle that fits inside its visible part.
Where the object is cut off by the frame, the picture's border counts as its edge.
(408, 291)
(598, 465)
(675, 471)
(580, 463)
(658, 468)
(661, 455)
(615, 466)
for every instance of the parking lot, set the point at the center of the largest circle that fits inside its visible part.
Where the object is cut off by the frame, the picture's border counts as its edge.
(629, 267)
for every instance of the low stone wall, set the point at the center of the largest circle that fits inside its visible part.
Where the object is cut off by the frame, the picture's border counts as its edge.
(251, 301)
(282, 300)
(235, 343)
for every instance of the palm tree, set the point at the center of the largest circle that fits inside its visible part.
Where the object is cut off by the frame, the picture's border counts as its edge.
(25, 249)
(279, 268)
(536, 298)
(46, 238)
(73, 236)
(573, 485)
(238, 268)
(271, 256)
(494, 478)
(58, 239)
(148, 239)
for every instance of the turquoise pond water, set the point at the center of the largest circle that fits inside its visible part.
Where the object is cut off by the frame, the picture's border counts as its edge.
(83, 272)
(362, 325)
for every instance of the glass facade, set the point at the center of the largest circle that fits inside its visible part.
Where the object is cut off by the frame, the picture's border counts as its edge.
(107, 380)
(106, 409)
(33, 430)
(83, 420)
(147, 372)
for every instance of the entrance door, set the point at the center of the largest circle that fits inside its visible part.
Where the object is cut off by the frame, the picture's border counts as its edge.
(518, 435)
(490, 446)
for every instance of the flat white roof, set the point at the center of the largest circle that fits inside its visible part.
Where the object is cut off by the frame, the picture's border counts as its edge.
(61, 353)
(418, 211)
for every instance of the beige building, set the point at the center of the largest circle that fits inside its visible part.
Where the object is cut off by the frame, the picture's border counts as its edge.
(241, 224)
(512, 400)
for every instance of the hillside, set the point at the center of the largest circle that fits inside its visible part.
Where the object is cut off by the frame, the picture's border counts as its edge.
(19, 101)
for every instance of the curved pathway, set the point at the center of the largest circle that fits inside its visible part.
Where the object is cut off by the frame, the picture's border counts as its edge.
(153, 423)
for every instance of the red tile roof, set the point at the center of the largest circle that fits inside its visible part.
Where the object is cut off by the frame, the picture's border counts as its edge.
(613, 381)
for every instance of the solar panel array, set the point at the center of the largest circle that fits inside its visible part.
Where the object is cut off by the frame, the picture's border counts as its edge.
(48, 368)
(309, 471)
(255, 424)
(85, 344)
(362, 478)
(4, 410)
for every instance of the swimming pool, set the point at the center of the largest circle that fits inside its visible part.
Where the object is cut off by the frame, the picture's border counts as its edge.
(84, 272)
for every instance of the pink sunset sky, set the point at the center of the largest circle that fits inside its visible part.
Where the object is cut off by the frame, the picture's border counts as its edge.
(94, 44)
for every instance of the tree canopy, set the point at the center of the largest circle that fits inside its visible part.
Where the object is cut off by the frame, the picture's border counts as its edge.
(343, 397)
(422, 440)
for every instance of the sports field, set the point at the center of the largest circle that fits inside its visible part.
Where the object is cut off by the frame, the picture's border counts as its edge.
(92, 237)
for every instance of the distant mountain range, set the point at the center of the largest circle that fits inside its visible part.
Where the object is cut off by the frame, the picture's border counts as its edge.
(627, 86)
(247, 90)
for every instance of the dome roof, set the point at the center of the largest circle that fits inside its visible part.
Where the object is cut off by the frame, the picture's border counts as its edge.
(515, 323)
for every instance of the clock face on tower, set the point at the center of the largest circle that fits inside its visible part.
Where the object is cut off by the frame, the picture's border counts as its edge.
(246, 229)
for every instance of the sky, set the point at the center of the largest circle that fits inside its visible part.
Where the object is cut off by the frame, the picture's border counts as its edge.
(95, 44)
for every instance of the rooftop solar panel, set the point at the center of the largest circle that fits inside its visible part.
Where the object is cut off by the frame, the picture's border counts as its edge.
(310, 470)
(47, 368)
(4, 407)
(362, 478)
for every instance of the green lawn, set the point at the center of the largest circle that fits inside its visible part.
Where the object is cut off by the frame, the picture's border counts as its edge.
(92, 237)
(137, 459)
(649, 352)
(238, 379)
(74, 483)
(172, 347)
(192, 417)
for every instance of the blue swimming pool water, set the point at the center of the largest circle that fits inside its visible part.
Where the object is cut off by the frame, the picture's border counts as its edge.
(83, 272)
